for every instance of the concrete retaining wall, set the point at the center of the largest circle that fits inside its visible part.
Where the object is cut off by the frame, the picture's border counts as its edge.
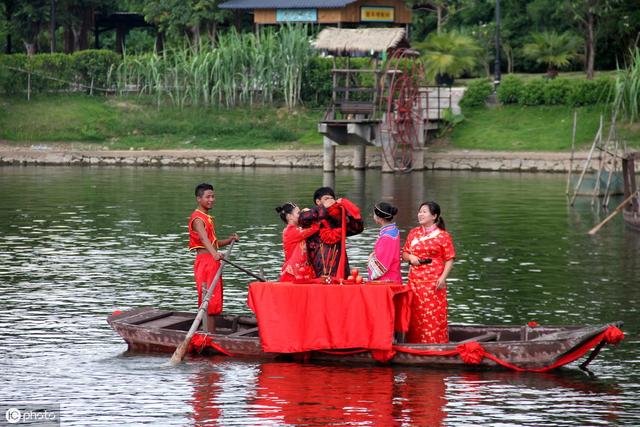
(440, 160)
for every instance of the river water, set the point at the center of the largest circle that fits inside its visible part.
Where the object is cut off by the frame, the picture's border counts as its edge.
(78, 243)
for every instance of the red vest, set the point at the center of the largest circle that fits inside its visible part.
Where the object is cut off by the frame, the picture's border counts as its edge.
(209, 228)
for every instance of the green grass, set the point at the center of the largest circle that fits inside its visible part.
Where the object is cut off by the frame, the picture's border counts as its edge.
(543, 128)
(124, 123)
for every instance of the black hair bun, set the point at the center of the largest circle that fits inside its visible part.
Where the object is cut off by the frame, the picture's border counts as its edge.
(279, 209)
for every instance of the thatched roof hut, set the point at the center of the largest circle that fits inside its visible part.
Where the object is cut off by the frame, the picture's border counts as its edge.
(342, 41)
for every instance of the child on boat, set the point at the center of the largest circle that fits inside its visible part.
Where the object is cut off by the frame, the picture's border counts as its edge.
(296, 264)
(203, 240)
(384, 261)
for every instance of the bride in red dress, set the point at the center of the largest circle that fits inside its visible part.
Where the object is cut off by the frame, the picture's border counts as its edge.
(296, 263)
(430, 253)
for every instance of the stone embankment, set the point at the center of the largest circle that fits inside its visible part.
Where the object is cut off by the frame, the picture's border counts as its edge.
(44, 154)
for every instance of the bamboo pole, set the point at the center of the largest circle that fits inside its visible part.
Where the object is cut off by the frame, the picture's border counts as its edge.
(586, 165)
(595, 229)
(573, 147)
(181, 350)
(601, 165)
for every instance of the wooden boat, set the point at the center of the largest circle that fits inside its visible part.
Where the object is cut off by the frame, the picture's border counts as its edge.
(631, 212)
(526, 348)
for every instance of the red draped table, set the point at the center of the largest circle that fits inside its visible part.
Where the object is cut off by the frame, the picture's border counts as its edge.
(303, 317)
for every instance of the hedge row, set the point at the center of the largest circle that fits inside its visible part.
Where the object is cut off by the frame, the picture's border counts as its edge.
(87, 67)
(559, 91)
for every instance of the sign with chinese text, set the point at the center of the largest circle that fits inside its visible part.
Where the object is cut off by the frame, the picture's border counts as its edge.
(377, 14)
(296, 15)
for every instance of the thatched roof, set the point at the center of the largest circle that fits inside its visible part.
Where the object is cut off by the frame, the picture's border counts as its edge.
(339, 41)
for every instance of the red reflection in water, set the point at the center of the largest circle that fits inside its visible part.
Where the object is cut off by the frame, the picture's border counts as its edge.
(301, 394)
(205, 388)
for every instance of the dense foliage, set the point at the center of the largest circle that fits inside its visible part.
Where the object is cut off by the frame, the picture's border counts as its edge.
(560, 91)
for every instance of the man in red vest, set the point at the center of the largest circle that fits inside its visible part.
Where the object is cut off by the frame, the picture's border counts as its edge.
(203, 240)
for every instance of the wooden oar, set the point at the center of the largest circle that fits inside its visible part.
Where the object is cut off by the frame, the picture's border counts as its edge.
(180, 352)
(260, 277)
(595, 229)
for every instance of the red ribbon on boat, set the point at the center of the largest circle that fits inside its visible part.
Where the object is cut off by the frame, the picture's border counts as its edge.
(473, 352)
(201, 341)
(613, 335)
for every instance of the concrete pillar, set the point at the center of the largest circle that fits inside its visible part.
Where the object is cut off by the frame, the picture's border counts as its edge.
(329, 179)
(388, 187)
(329, 158)
(360, 157)
(417, 163)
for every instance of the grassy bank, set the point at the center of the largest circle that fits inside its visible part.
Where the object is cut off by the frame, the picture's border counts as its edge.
(541, 128)
(125, 123)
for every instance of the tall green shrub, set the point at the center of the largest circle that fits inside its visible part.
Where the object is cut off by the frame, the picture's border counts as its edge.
(476, 93)
(532, 93)
(510, 89)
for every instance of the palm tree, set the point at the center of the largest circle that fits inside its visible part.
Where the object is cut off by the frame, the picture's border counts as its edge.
(555, 50)
(448, 55)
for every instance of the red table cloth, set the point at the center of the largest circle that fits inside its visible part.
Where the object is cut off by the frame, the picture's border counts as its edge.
(303, 317)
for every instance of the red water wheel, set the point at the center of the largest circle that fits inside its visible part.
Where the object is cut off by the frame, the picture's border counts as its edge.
(404, 107)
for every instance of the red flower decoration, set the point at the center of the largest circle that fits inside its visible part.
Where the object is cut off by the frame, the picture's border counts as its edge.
(613, 335)
(533, 324)
(116, 312)
(471, 353)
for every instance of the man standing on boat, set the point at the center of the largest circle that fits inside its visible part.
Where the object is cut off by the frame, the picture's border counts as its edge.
(337, 219)
(203, 240)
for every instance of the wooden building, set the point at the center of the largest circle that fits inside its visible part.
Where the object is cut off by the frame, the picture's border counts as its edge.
(339, 13)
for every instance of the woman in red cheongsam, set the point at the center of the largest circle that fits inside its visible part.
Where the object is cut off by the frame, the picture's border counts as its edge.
(430, 253)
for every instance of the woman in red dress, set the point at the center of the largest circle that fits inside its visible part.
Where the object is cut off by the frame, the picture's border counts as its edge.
(430, 253)
(296, 264)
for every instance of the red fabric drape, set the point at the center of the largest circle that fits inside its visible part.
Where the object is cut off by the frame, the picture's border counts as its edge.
(302, 317)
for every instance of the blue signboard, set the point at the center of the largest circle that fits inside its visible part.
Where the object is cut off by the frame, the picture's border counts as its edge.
(296, 15)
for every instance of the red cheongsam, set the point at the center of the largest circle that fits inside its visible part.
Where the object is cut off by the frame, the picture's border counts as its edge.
(429, 305)
(205, 266)
(295, 252)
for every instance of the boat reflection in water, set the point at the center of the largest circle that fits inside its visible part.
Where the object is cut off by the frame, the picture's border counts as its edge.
(308, 394)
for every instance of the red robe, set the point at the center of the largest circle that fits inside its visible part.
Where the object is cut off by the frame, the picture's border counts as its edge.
(205, 266)
(295, 252)
(429, 305)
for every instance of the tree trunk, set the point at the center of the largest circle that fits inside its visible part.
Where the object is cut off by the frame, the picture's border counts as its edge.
(30, 47)
(67, 39)
(85, 27)
(195, 32)
(439, 18)
(591, 46)
(213, 33)
(159, 42)
(7, 49)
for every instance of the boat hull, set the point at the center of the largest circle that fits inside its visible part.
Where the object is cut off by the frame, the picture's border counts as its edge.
(524, 347)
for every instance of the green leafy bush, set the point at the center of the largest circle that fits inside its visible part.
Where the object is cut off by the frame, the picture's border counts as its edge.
(92, 66)
(476, 93)
(510, 89)
(532, 93)
(55, 71)
(556, 91)
(12, 81)
(589, 92)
